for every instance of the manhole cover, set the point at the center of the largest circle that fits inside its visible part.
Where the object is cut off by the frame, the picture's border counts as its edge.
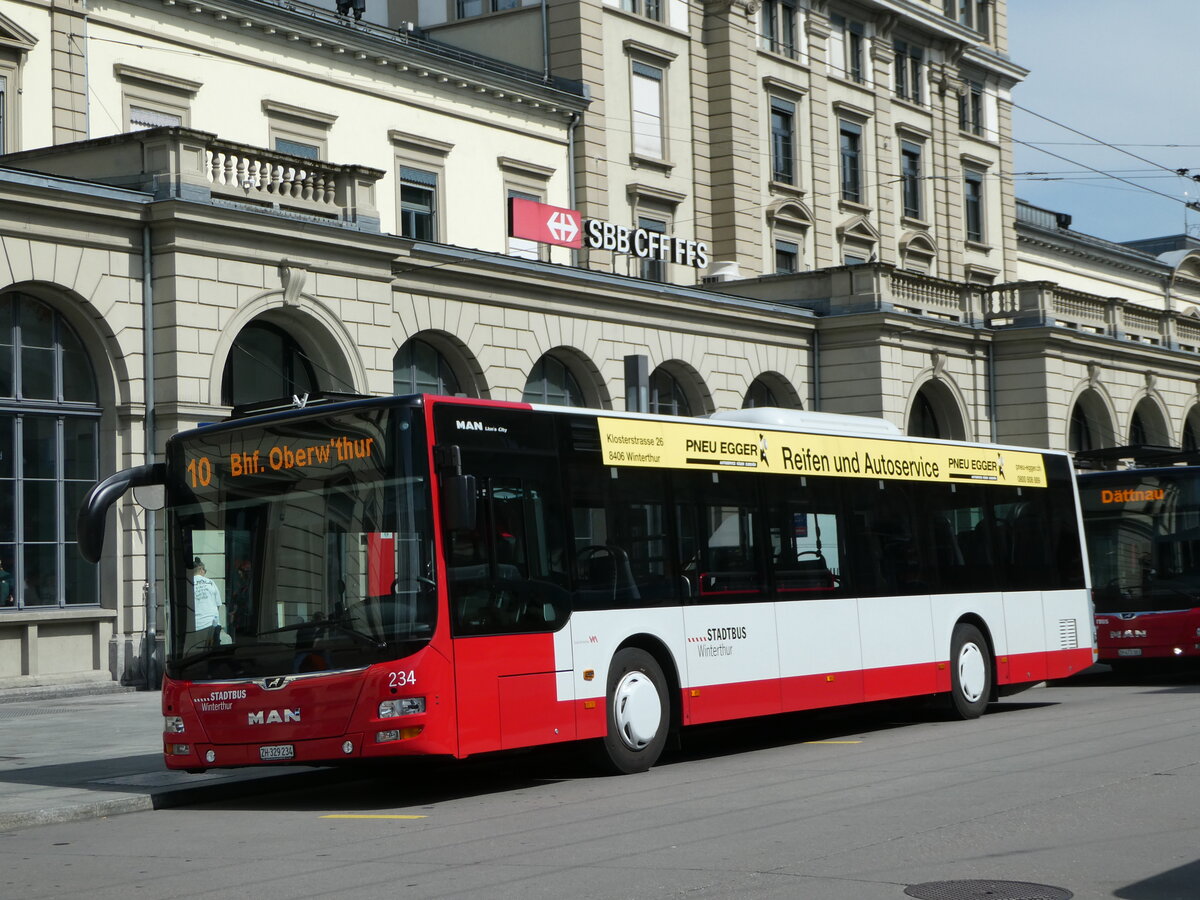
(991, 890)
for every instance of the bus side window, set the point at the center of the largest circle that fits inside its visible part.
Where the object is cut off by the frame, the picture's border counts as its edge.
(506, 575)
(620, 538)
(719, 539)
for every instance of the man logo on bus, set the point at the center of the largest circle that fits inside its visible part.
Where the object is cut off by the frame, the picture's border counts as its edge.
(762, 449)
(273, 716)
(1000, 463)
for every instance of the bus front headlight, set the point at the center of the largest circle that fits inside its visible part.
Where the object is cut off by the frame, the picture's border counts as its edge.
(402, 706)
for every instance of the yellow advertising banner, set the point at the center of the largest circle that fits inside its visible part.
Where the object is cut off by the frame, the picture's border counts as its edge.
(676, 445)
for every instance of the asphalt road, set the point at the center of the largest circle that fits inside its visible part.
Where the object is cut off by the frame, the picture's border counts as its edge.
(1090, 786)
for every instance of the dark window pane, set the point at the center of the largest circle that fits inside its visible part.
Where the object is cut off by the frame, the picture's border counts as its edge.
(37, 373)
(37, 324)
(40, 450)
(79, 448)
(40, 511)
(82, 579)
(73, 494)
(8, 578)
(7, 452)
(8, 511)
(40, 587)
(79, 384)
(6, 347)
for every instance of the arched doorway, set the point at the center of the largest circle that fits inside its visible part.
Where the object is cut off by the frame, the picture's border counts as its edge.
(266, 363)
(1148, 426)
(1090, 426)
(551, 381)
(935, 414)
(667, 394)
(419, 367)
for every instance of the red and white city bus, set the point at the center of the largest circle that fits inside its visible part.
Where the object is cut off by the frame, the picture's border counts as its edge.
(1143, 534)
(434, 575)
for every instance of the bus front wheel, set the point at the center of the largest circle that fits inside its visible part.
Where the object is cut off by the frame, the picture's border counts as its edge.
(970, 672)
(639, 713)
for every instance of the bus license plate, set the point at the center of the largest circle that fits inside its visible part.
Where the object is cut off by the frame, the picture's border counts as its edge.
(1129, 651)
(277, 751)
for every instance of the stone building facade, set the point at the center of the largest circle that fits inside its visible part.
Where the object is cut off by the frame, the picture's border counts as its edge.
(232, 200)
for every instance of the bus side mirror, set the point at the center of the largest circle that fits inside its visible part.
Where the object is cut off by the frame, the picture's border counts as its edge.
(93, 511)
(458, 502)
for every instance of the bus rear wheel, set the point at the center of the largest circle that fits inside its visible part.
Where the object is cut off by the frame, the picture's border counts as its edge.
(638, 714)
(970, 672)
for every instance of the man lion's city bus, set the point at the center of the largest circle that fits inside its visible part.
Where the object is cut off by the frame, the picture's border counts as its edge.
(434, 575)
(1143, 536)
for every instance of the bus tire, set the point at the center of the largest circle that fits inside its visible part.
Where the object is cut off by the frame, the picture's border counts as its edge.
(970, 672)
(638, 713)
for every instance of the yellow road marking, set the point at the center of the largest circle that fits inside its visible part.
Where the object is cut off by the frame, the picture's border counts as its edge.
(347, 816)
(833, 742)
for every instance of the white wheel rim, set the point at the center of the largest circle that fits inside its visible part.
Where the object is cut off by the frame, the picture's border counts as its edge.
(637, 710)
(972, 672)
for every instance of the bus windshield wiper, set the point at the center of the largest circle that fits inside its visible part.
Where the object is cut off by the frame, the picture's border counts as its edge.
(371, 639)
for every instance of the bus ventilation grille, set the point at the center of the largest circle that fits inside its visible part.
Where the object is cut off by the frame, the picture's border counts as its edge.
(1068, 636)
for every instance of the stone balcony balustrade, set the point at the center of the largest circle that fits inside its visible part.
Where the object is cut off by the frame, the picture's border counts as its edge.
(181, 163)
(881, 287)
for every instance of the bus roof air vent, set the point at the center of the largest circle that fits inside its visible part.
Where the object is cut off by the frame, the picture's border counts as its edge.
(801, 420)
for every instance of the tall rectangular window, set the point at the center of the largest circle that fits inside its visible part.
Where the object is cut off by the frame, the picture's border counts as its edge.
(778, 24)
(910, 174)
(651, 9)
(909, 61)
(850, 145)
(653, 269)
(783, 141)
(787, 257)
(973, 204)
(853, 46)
(970, 108)
(647, 90)
(974, 14)
(418, 204)
(523, 247)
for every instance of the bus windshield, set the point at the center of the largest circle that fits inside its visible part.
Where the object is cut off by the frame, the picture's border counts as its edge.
(1143, 537)
(299, 545)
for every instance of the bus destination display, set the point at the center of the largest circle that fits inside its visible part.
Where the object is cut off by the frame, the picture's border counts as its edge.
(275, 455)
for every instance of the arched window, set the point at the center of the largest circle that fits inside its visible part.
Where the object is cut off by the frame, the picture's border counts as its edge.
(265, 363)
(1191, 436)
(49, 437)
(759, 394)
(552, 382)
(1137, 430)
(666, 394)
(923, 419)
(420, 368)
(1081, 437)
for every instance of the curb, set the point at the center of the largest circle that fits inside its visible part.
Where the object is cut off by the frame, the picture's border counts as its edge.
(167, 798)
(54, 691)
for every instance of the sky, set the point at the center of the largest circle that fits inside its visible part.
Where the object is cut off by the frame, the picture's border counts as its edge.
(1121, 72)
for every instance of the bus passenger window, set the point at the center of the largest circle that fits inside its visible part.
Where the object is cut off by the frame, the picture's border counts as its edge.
(719, 536)
(620, 535)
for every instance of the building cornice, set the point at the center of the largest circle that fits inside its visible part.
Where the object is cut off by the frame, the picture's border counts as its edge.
(408, 54)
(1079, 248)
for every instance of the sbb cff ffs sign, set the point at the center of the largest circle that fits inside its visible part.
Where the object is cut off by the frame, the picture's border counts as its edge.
(533, 221)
